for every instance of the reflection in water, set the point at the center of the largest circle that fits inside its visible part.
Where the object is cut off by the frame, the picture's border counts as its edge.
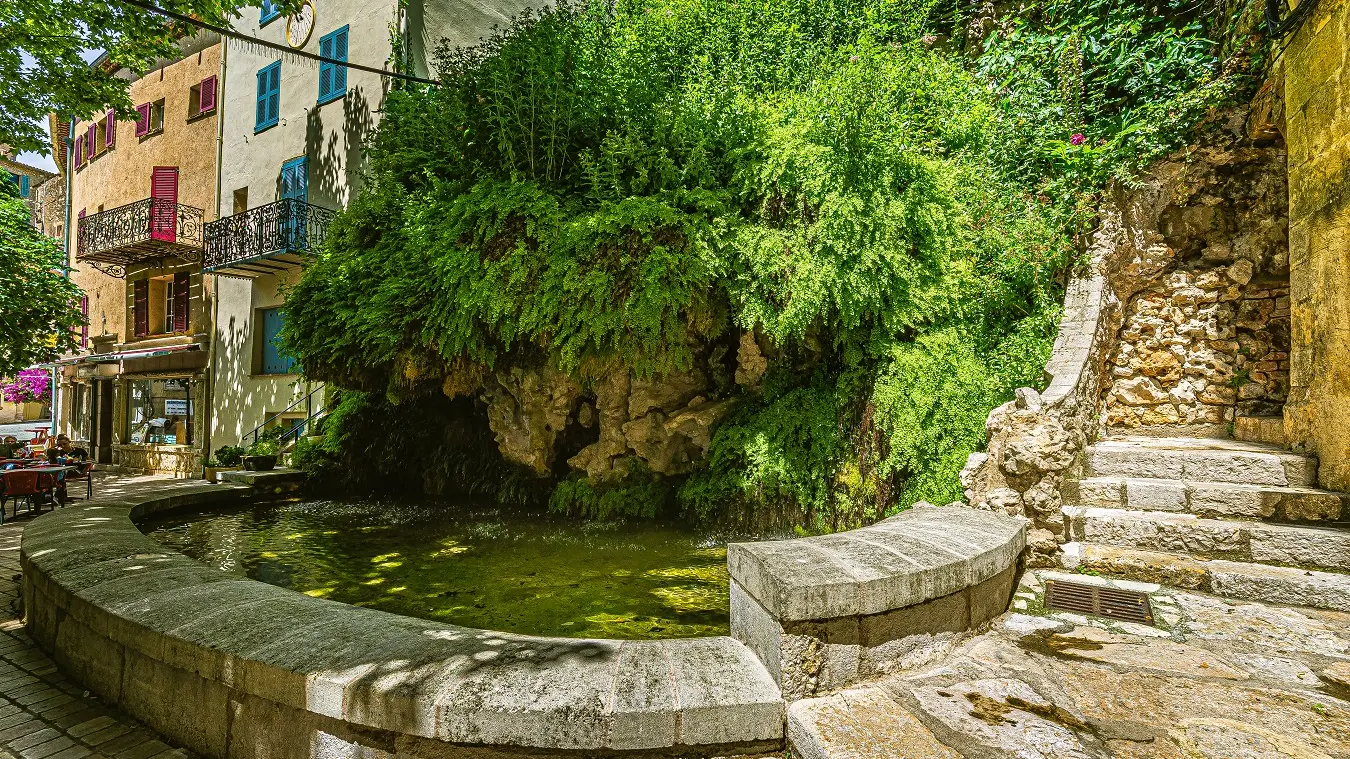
(486, 568)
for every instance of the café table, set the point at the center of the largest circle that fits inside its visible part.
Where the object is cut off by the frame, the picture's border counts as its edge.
(48, 477)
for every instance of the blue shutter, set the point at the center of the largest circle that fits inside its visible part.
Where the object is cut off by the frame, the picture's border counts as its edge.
(269, 12)
(340, 52)
(23, 185)
(274, 104)
(269, 97)
(325, 69)
(273, 360)
(295, 179)
(333, 76)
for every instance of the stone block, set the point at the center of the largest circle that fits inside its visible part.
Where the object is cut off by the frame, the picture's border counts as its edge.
(1155, 495)
(1227, 500)
(1312, 547)
(646, 715)
(724, 695)
(1280, 585)
(181, 705)
(863, 723)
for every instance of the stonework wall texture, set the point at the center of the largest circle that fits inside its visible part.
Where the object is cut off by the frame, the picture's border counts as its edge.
(1200, 348)
(1317, 129)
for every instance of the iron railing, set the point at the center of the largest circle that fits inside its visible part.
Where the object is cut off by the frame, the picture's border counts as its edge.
(138, 231)
(286, 226)
(312, 417)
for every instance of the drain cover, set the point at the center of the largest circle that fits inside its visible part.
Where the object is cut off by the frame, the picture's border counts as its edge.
(1112, 603)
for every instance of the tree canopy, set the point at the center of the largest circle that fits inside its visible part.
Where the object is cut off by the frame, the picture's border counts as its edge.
(42, 70)
(38, 313)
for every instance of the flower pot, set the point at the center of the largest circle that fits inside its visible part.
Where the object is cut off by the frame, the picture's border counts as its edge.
(260, 463)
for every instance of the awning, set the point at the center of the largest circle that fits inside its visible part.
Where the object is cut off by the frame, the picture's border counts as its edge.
(112, 358)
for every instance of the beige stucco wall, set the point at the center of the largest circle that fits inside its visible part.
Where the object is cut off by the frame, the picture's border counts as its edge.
(244, 398)
(1317, 128)
(122, 175)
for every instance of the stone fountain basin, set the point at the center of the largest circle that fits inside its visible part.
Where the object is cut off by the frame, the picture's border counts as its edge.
(234, 667)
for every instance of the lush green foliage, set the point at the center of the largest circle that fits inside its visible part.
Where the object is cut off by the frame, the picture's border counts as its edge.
(632, 181)
(39, 318)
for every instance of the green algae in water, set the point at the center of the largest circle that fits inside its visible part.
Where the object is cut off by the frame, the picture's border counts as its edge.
(478, 567)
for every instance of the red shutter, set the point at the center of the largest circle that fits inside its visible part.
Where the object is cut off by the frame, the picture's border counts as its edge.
(111, 121)
(208, 94)
(92, 139)
(140, 306)
(180, 302)
(164, 203)
(84, 327)
(143, 121)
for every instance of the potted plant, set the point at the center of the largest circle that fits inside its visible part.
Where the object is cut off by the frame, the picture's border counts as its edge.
(262, 455)
(227, 458)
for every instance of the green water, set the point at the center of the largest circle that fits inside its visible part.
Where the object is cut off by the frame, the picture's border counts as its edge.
(477, 567)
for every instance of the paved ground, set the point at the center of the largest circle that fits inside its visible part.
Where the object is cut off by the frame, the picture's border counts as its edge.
(43, 715)
(1215, 679)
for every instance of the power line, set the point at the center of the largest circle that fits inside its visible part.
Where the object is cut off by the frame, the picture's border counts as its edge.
(224, 32)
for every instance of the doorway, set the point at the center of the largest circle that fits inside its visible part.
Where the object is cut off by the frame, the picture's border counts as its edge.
(101, 422)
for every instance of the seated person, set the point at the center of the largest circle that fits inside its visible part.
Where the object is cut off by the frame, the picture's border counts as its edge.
(60, 451)
(63, 454)
(11, 448)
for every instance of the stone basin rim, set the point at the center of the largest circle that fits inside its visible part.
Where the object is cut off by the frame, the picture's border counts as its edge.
(97, 591)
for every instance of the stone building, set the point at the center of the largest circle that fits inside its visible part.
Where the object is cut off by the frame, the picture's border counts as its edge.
(26, 178)
(141, 192)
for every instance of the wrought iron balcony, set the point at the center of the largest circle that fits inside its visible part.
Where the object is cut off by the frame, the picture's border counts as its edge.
(265, 240)
(141, 232)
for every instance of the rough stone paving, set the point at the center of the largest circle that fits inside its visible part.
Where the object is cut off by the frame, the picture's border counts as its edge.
(44, 715)
(1216, 679)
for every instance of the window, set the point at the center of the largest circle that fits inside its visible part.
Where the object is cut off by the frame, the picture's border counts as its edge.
(269, 13)
(333, 77)
(241, 200)
(100, 131)
(151, 118)
(22, 181)
(84, 324)
(202, 98)
(160, 304)
(160, 412)
(270, 358)
(269, 97)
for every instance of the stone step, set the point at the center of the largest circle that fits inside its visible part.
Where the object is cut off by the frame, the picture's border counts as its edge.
(1200, 460)
(1322, 548)
(1286, 586)
(1211, 499)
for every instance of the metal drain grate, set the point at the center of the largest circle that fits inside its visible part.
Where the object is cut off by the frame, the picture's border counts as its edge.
(1112, 603)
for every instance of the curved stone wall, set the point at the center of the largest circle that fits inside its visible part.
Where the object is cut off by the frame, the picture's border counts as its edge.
(231, 667)
(828, 611)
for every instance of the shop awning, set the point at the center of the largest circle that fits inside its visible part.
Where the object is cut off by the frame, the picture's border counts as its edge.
(112, 358)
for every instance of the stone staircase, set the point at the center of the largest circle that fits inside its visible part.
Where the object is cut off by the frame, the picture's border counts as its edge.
(1237, 519)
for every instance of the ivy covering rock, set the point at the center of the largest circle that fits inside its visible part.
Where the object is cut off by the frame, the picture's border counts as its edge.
(769, 263)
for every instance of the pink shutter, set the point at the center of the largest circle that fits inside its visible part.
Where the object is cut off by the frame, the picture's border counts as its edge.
(111, 127)
(91, 140)
(84, 326)
(208, 94)
(143, 122)
(164, 203)
(79, 150)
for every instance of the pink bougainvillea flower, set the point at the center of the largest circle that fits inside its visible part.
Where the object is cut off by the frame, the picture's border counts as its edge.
(1077, 139)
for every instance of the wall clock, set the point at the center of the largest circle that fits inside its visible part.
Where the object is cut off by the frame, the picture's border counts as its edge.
(301, 25)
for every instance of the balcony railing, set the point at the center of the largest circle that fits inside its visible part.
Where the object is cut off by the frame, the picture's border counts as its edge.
(265, 240)
(140, 232)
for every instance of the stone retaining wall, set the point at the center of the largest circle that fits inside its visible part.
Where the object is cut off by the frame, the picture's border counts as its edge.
(235, 668)
(829, 611)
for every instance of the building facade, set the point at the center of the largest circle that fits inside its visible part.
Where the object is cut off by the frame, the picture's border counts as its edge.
(292, 153)
(141, 193)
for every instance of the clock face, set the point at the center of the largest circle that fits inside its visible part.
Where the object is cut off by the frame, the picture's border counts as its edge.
(300, 25)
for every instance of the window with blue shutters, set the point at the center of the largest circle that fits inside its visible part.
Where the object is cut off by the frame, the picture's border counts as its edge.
(23, 185)
(332, 76)
(269, 97)
(273, 360)
(269, 12)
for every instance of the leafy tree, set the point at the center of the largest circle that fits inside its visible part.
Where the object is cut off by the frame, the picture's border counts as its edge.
(37, 300)
(42, 71)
